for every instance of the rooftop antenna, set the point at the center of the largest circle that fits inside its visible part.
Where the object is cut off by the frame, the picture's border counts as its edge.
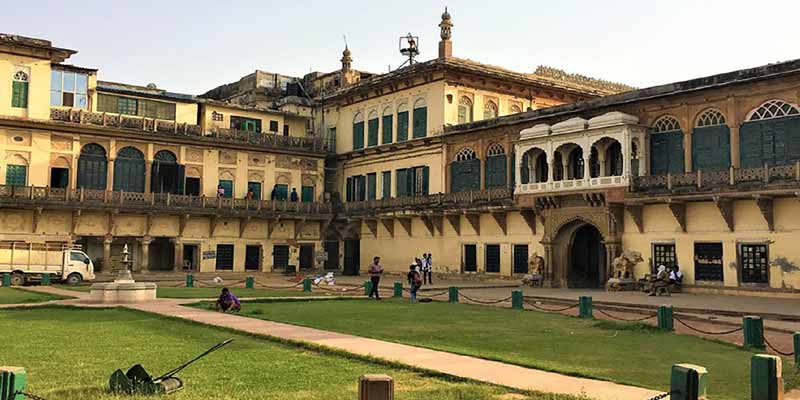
(409, 47)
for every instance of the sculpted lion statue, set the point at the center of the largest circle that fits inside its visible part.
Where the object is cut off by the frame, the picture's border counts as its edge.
(535, 268)
(623, 265)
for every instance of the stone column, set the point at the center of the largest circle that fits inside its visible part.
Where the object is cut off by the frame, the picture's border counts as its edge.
(687, 150)
(147, 171)
(146, 253)
(601, 161)
(107, 252)
(110, 175)
(518, 167)
(612, 252)
(178, 264)
(735, 156)
(548, 264)
(587, 166)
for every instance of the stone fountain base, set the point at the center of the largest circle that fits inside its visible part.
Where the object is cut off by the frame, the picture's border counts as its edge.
(123, 290)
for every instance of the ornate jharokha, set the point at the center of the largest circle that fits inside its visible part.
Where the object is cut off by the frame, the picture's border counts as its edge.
(622, 271)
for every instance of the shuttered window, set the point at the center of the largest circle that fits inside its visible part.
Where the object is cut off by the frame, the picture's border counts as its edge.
(771, 141)
(402, 126)
(420, 122)
(227, 186)
(134, 106)
(358, 135)
(92, 167)
(496, 171)
(16, 175)
(493, 258)
(19, 94)
(372, 186)
(666, 150)
(254, 187)
(224, 257)
(465, 175)
(386, 182)
(711, 148)
(372, 132)
(306, 194)
(129, 170)
(387, 129)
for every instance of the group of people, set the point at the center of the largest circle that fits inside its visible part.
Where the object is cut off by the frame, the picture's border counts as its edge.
(293, 197)
(664, 279)
(420, 272)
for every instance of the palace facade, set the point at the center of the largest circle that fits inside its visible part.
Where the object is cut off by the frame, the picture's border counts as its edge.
(481, 166)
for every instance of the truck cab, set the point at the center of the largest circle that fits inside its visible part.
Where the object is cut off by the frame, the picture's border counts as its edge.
(77, 267)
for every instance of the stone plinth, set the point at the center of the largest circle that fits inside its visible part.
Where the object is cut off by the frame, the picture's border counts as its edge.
(123, 290)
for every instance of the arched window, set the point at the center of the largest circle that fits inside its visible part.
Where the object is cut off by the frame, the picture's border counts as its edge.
(666, 146)
(358, 131)
(465, 171)
(167, 175)
(92, 167)
(711, 142)
(594, 163)
(770, 135)
(21, 76)
(386, 122)
(710, 117)
(372, 128)
(402, 122)
(489, 110)
(420, 119)
(496, 165)
(576, 164)
(515, 109)
(614, 159)
(19, 90)
(129, 170)
(464, 110)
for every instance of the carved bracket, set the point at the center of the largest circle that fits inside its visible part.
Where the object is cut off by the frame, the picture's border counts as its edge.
(183, 219)
(474, 220)
(243, 222)
(270, 228)
(112, 223)
(438, 223)
(529, 216)
(426, 220)
(765, 205)
(388, 223)
(298, 227)
(679, 212)
(37, 216)
(637, 214)
(372, 224)
(725, 207)
(76, 218)
(501, 217)
(406, 224)
(151, 218)
(212, 227)
(455, 222)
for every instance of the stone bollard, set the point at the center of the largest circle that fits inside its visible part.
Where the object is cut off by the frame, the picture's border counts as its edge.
(452, 294)
(796, 341)
(367, 288)
(6, 279)
(248, 282)
(585, 307)
(189, 280)
(45, 279)
(687, 382)
(766, 377)
(12, 380)
(753, 332)
(375, 387)
(398, 289)
(516, 299)
(307, 285)
(665, 321)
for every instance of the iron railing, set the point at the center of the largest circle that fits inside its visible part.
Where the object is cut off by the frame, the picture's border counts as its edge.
(440, 200)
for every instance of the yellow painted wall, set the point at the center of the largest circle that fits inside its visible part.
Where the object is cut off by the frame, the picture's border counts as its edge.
(265, 117)
(38, 87)
(185, 113)
(479, 98)
(430, 156)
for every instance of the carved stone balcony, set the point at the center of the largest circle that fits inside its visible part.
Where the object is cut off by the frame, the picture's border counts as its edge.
(165, 203)
(601, 182)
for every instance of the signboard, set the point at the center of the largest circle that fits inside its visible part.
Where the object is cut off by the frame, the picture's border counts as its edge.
(209, 255)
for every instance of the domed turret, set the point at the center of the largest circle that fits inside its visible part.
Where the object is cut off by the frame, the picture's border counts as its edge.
(347, 60)
(445, 46)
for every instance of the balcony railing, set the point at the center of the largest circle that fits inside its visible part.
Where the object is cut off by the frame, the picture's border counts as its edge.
(461, 200)
(152, 201)
(733, 178)
(150, 125)
(572, 184)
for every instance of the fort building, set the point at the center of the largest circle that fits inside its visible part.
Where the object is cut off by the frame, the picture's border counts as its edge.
(481, 166)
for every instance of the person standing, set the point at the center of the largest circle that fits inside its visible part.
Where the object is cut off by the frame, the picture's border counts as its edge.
(375, 272)
(429, 265)
(293, 196)
(414, 281)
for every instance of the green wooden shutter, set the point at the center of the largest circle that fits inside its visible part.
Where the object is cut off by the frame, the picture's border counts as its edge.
(676, 164)
(387, 129)
(401, 182)
(16, 175)
(358, 135)
(19, 94)
(255, 187)
(666, 153)
(496, 171)
(307, 194)
(426, 172)
(361, 189)
(281, 192)
(711, 149)
(386, 178)
(402, 126)
(227, 184)
(372, 186)
(465, 175)
(372, 132)
(420, 122)
(349, 189)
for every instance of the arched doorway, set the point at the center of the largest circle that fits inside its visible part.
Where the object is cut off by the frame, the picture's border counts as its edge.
(586, 258)
(129, 170)
(92, 167)
(167, 175)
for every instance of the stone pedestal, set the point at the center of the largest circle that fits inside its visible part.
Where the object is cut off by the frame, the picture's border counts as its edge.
(620, 284)
(123, 290)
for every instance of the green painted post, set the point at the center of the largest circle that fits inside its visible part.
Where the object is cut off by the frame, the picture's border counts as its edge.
(585, 307)
(6, 279)
(665, 320)
(452, 294)
(12, 380)
(516, 299)
(398, 289)
(766, 380)
(367, 288)
(753, 332)
(307, 285)
(796, 338)
(189, 280)
(248, 282)
(45, 279)
(688, 382)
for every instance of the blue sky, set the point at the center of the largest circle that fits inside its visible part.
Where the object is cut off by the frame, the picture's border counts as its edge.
(192, 46)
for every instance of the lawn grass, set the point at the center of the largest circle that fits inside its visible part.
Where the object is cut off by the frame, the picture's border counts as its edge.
(208, 292)
(633, 354)
(82, 347)
(20, 296)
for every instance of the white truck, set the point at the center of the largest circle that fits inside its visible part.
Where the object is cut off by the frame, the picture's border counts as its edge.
(27, 262)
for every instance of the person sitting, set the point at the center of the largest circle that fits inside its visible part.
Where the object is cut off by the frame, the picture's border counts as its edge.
(675, 278)
(227, 302)
(661, 282)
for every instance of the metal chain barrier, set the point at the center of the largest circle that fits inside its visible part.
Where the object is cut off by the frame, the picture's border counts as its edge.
(775, 349)
(626, 319)
(340, 290)
(430, 296)
(484, 301)
(536, 306)
(255, 282)
(221, 284)
(707, 332)
(28, 395)
(664, 395)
